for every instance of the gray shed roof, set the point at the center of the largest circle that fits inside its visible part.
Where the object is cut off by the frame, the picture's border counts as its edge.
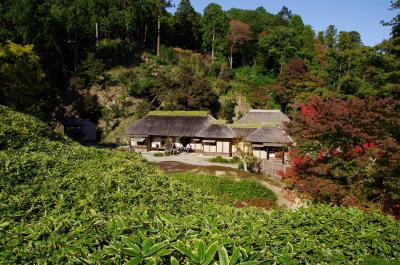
(165, 125)
(219, 131)
(271, 118)
(269, 135)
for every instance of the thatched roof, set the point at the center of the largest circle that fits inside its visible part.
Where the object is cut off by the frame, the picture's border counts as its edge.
(271, 118)
(185, 113)
(243, 132)
(269, 135)
(218, 131)
(202, 125)
(169, 125)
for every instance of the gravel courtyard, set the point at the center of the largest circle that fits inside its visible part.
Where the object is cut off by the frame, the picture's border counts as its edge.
(192, 159)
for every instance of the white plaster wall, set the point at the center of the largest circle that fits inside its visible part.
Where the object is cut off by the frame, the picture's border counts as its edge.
(213, 149)
(256, 153)
(219, 146)
(206, 148)
(226, 147)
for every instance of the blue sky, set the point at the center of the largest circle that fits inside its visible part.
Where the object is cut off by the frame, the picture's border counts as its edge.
(363, 16)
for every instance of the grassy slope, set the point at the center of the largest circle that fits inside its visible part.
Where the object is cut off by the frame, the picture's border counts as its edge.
(63, 203)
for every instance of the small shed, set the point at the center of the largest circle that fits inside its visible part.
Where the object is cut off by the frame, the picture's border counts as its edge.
(269, 142)
(81, 130)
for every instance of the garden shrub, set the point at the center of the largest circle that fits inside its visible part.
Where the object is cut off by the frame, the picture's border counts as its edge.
(220, 159)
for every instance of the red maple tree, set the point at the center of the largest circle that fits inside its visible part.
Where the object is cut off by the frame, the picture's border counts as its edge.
(348, 151)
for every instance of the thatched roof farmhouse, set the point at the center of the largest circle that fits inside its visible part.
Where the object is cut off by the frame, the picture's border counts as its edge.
(201, 131)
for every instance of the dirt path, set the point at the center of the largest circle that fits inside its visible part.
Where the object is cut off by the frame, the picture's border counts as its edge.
(285, 198)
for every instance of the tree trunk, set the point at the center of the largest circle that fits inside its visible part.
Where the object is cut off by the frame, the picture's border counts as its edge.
(339, 75)
(212, 44)
(244, 165)
(348, 66)
(75, 56)
(126, 24)
(145, 35)
(97, 35)
(231, 57)
(158, 36)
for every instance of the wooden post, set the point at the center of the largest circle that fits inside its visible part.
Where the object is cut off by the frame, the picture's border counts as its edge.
(283, 155)
(267, 153)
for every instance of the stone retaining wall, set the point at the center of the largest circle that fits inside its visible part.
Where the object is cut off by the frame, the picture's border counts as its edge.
(273, 167)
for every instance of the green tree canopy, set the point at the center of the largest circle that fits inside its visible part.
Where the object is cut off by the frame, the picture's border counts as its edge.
(215, 29)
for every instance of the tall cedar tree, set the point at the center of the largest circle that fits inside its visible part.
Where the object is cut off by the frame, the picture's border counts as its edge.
(215, 29)
(187, 26)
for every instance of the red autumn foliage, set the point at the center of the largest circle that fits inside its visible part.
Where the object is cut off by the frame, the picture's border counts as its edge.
(358, 149)
(296, 69)
(306, 110)
(348, 151)
(262, 34)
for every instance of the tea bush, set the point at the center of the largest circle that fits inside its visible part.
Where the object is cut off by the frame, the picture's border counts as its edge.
(64, 203)
(226, 187)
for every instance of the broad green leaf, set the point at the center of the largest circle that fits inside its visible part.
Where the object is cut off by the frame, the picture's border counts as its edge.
(249, 263)
(164, 252)
(5, 224)
(147, 244)
(131, 252)
(223, 256)
(201, 251)
(154, 249)
(84, 261)
(134, 261)
(210, 253)
(182, 249)
(235, 256)
(174, 261)
(151, 260)
(244, 253)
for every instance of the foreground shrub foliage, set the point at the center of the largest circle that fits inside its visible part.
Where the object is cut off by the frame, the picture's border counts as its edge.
(63, 203)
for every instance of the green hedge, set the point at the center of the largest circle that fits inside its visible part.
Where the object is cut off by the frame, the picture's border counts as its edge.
(63, 203)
